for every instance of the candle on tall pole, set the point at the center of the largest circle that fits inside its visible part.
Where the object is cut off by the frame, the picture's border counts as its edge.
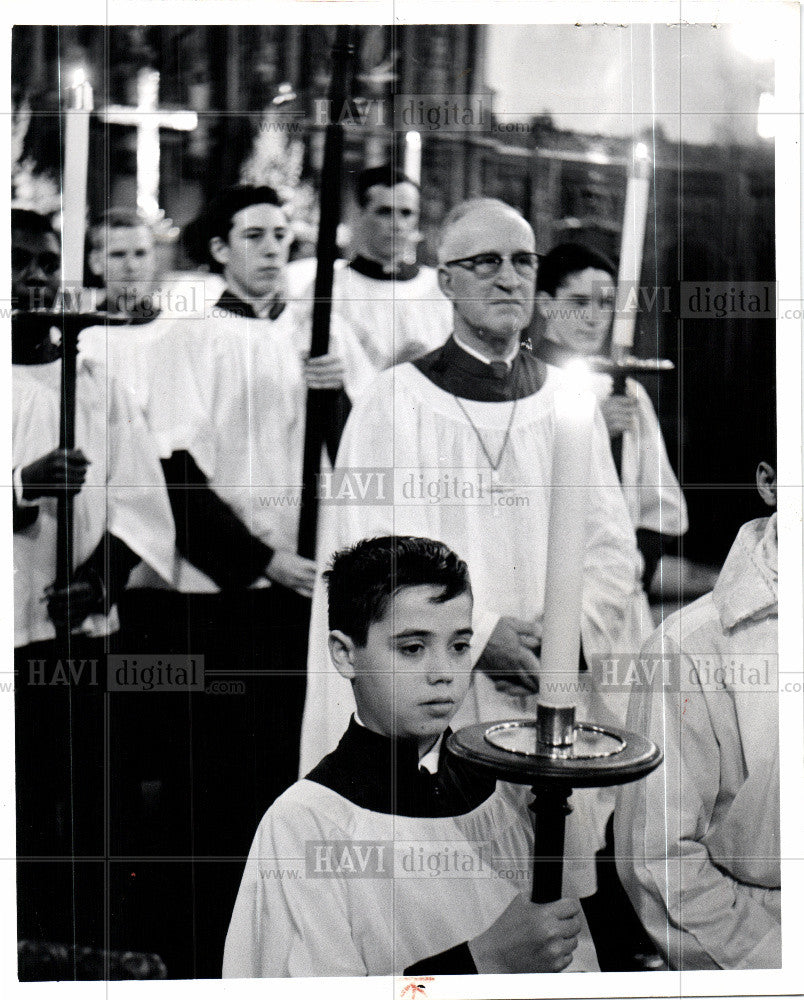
(74, 186)
(73, 234)
(628, 274)
(631, 247)
(566, 545)
(413, 156)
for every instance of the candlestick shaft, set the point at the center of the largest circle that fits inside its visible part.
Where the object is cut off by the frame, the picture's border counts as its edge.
(566, 546)
(550, 808)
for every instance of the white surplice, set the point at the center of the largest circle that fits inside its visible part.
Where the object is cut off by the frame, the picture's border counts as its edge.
(698, 841)
(393, 320)
(123, 493)
(289, 921)
(652, 492)
(406, 427)
(230, 390)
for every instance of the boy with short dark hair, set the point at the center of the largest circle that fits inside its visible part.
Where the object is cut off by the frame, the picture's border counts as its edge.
(391, 856)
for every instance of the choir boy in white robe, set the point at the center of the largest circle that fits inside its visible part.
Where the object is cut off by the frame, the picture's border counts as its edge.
(121, 516)
(698, 843)
(575, 296)
(225, 399)
(122, 258)
(438, 890)
(393, 305)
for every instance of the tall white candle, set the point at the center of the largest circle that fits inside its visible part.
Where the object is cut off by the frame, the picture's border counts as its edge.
(566, 542)
(633, 242)
(413, 156)
(74, 188)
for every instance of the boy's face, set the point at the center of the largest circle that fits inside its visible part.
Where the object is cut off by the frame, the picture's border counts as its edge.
(126, 262)
(35, 269)
(579, 316)
(388, 220)
(414, 671)
(256, 250)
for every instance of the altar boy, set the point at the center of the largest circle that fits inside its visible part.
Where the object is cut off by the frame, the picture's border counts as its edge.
(391, 856)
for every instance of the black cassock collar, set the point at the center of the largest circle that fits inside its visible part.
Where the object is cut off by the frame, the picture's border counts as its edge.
(382, 774)
(239, 307)
(374, 269)
(461, 374)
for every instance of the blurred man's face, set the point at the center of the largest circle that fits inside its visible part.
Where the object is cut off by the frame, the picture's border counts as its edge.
(35, 269)
(497, 307)
(389, 221)
(579, 316)
(256, 251)
(127, 264)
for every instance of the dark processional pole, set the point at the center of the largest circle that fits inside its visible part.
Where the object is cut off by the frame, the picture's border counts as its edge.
(322, 404)
(552, 752)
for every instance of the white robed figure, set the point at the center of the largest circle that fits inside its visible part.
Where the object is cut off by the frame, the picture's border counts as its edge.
(476, 418)
(392, 304)
(575, 299)
(123, 492)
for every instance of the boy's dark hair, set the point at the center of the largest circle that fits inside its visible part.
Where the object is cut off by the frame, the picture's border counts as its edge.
(566, 259)
(387, 176)
(225, 206)
(28, 221)
(362, 579)
(217, 220)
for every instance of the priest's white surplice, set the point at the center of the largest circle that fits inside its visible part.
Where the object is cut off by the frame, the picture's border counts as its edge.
(406, 428)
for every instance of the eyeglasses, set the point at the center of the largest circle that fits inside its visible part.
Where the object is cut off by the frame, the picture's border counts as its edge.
(21, 260)
(486, 265)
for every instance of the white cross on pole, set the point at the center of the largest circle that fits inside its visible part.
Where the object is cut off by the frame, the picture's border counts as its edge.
(147, 118)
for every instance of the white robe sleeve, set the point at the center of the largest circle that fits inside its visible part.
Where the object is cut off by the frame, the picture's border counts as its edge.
(653, 494)
(139, 510)
(285, 924)
(183, 371)
(615, 613)
(359, 371)
(697, 914)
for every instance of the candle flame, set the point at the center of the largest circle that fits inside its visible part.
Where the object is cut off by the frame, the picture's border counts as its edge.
(79, 76)
(640, 151)
(578, 374)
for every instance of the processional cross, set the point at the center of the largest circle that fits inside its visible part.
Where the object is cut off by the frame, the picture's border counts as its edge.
(148, 119)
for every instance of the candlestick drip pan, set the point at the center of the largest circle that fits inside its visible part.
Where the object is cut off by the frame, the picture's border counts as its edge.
(519, 736)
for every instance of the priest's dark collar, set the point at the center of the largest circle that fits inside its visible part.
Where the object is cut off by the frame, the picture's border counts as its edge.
(383, 775)
(461, 374)
(374, 269)
(239, 307)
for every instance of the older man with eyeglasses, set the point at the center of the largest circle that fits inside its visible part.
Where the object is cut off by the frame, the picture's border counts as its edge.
(460, 446)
